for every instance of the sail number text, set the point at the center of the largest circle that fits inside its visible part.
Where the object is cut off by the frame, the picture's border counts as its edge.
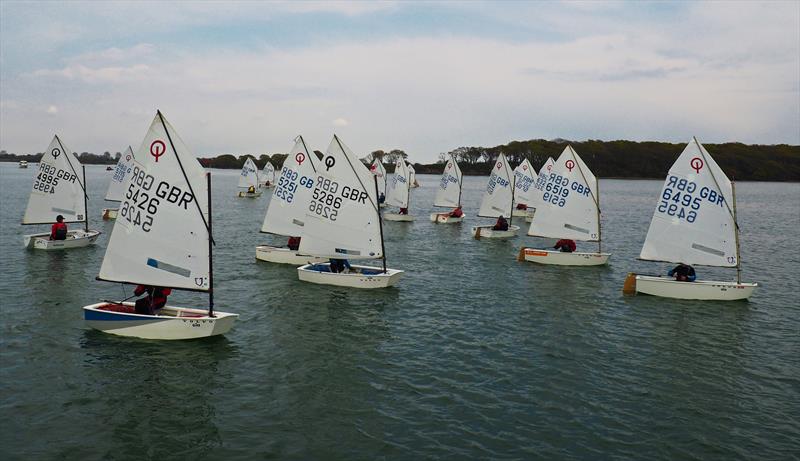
(447, 179)
(142, 200)
(494, 181)
(681, 198)
(558, 188)
(522, 181)
(48, 177)
(287, 184)
(327, 198)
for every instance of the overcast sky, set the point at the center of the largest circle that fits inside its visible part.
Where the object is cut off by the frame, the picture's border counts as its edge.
(246, 78)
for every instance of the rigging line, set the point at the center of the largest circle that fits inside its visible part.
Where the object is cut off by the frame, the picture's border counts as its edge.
(347, 157)
(308, 155)
(189, 183)
(711, 171)
(591, 189)
(66, 155)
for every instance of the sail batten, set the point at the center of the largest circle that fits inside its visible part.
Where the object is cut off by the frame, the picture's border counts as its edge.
(161, 235)
(693, 222)
(568, 205)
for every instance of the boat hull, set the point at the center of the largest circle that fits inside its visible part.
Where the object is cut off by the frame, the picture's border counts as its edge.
(75, 239)
(172, 323)
(397, 217)
(249, 194)
(667, 287)
(558, 258)
(522, 213)
(283, 255)
(110, 213)
(365, 277)
(489, 233)
(445, 218)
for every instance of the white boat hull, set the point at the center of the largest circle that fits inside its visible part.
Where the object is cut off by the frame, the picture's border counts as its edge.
(249, 194)
(283, 255)
(110, 213)
(75, 239)
(522, 213)
(445, 218)
(558, 258)
(668, 287)
(489, 233)
(359, 277)
(170, 323)
(398, 217)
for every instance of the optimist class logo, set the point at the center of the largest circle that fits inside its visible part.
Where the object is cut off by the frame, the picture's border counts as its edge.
(499, 165)
(570, 165)
(697, 164)
(157, 149)
(300, 158)
(56, 152)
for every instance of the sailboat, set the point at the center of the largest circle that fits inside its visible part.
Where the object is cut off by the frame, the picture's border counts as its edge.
(694, 223)
(569, 209)
(412, 177)
(58, 189)
(399, 193)
(268, 176)
(162, 238)
(248, 180)
(538, 187)
(23, 164)
(378, 170)
(449, 193)
(497, 201)
(115, 190)
(286, 213)
(524, 179)
(344, 221)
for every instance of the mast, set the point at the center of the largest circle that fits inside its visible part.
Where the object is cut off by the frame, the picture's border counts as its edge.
(599, 225)
(460, 180)
(513, 186)
(210, 249)
(736, 233)
(85, 201)
(380, 225)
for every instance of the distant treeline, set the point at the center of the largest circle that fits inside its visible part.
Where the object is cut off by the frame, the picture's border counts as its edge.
(86, 158)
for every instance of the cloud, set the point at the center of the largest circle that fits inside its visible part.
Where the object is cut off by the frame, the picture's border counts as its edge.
(113, 74)
(340, 122)
(52, 110)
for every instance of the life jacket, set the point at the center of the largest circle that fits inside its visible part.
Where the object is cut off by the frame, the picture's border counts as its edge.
(59, 231)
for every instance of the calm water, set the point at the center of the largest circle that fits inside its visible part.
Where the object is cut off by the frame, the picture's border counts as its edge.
(472, 356)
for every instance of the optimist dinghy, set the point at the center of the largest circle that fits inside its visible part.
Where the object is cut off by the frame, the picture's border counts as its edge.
(379, 170)
(58, 189)
(162, 238)
(286, 213)
(497, 201)
(524, 180)
(449, 193)
(412, 177)
(268, 176)
(399, 192)
(694, 223)
(538, 187)
(115, 190)
(248, 180)
(570, 209)
(343, 221)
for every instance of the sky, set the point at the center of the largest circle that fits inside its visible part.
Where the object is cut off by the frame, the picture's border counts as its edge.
(425, 77)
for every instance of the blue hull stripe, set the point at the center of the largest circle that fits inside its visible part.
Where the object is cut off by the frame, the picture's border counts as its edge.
(119, 317)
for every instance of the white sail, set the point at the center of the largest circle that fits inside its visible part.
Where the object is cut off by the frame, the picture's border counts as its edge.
(378, 170)
(286, 214)
(58, 187)
(412, 175)
(569, 205)
(449, 192)
(693, 221)
(498, 195)
(399, 186)
(123, 168)
(342, 216)
(161, 235)
(524, 178)
(268, 173)
(249, 176)
(541, 180)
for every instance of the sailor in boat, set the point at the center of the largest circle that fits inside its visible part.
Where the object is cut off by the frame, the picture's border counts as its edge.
(381, 198)
(522, 206)
(59, 229)
(293, 243)
(251, 190)
(156, 299)
(268, 183)
(501, 224)
(456, 213)
(403, 210)
(566, 245)
(683, 273)
(339, 265)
